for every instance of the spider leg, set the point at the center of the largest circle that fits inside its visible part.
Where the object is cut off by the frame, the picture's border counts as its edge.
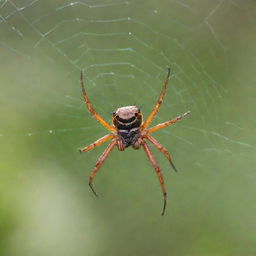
(99, 162)
(91, 108)
(162, 149)
(158, 103)
(157, 169)
(170, 122)
(97, 142)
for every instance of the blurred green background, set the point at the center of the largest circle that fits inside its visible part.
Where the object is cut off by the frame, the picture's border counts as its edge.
(124, 48)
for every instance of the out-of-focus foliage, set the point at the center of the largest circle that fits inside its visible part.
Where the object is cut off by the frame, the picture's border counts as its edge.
(46, 207)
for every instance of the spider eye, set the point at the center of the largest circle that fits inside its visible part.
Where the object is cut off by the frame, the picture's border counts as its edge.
(113, 113)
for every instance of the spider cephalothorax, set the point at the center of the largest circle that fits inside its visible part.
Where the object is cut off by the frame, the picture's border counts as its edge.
(128, 129)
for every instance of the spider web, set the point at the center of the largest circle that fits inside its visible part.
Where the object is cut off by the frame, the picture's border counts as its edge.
(124, 49)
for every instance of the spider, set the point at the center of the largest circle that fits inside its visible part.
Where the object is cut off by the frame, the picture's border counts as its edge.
(128, 129)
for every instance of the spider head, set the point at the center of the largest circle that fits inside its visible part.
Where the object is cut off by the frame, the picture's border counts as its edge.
(126, 118)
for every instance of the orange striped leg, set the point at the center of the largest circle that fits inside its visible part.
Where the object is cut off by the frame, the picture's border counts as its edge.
(97, 142)
(162, 125)
(158, 103)
(99, 162)
(91, 108)
(157, 169)
(161, 148)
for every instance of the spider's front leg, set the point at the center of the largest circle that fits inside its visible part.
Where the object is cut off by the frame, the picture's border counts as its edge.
(99, 162)
(157, 170)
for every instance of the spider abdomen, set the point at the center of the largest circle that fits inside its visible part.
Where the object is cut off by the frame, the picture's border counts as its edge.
(127, 118)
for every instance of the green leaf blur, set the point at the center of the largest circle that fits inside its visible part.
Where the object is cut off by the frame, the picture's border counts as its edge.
(124, 48)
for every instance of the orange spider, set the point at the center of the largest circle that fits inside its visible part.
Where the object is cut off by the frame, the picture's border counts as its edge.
(128, 129)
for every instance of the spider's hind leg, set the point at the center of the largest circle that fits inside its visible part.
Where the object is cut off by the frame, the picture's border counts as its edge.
(91, 108)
